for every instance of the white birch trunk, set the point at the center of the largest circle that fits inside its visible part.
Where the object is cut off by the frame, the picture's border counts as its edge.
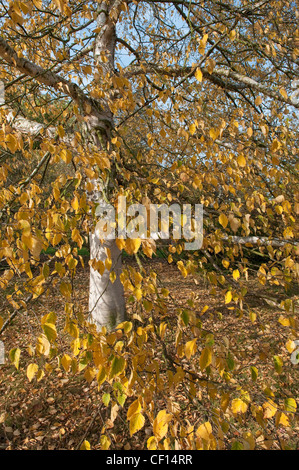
(106, 299)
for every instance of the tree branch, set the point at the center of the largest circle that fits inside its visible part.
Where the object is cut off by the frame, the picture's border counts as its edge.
(216, 77)
(53, 80)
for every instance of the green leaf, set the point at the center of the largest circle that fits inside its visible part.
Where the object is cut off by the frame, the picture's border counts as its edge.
(106, 398)
(121, 398)
(237, 446)
(290, 405)
(185, 317)
(117, 366)
(254, 373)
(278, 364)
(50, 331)
(14, 356)
(230, 361)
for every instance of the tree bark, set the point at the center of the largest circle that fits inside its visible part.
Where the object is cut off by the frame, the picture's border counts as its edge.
(106, 298)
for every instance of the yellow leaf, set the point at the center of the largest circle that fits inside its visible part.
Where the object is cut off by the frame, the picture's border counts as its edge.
(211, 64)
(85, 445)
(202, 44)
(236, 274)
(198, 75)
(40, 375)
(14, 356)
(101, 377)
(241, 160)
(204, 431)
(249, 441)
(278, 364)
(214, 133)
(270, 409)
(223, 220)
(205, 358)
(66, 362)
(117, 366)
(228, 297)
(105, 442)
(75, 203)
(66, 289)
(12, 143)
(192, 129)
(32, 371)
(34, 244)
(239, 406)
(132, 245)
(134, 408)
(252, 316)
(182, 268)
(66, 156)
(275, 145)
(136, 423)
(89, 374)
(160, 425)
(121, 243)
(290, 405)
(283, 93)
(190, 348)
(151, 443)
(61, 131)
(282, 419)
(50, 331)
(290, 345)
(232, 35)
(138, 293)
(43, 346)
(25, 226)
(108, 264)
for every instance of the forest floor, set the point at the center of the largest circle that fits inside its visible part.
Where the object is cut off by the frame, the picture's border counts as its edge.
(60, 411)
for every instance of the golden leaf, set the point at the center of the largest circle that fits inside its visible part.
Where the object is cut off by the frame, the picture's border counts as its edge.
(190, 348)
(238, 406)
(134, 408)
(204, 431)
(160, 425)
(85, 445)
(228, 297)
(66, 362)
(198, 75)
(270, 409)
(241, 160)
(223, 220)
(205, 358)
(31, 371)
(136, 423)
